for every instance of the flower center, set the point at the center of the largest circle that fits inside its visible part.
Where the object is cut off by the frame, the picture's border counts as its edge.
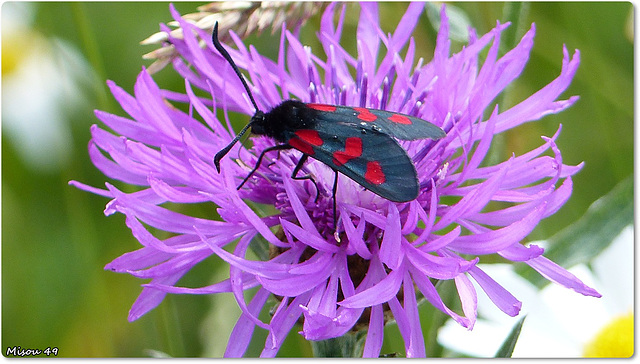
(615, 340)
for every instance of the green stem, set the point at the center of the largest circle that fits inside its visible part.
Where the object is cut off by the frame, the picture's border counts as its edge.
(347, 346)
(91, 50)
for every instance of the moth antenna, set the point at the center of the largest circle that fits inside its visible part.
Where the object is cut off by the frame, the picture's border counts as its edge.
(225, 150)
(225, 54)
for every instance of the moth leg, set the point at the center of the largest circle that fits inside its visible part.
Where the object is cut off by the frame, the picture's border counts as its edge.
(264, 151)
(298, 168)
(274, 162)
(335, 215)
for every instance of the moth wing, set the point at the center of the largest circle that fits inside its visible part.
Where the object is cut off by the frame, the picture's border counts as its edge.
(397, 125)
(373, 160)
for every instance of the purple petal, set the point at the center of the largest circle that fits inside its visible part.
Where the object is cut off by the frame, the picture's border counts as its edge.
(557, 274)
(281, 323)
(177, 195)
(430, 293)
(294, 285)
(542, 102)
(355, 236)
(368, 36)
(243, 330)
(150, 298)
(312, 240)
(496, 240)
(504, 300)
(96, 191)
(381, 292)
(468, 298)
(236, 276)
(442, 241)
(404, 325)
(473, 201)
(431, 265)
(375, 333)
(263, 269)
(164, 219)
(521, 253)
(298, 209)
(416, 347)
(391, 249)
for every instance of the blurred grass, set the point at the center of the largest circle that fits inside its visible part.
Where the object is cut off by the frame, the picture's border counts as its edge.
(56, 240)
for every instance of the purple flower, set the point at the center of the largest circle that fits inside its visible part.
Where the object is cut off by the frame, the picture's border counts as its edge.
(389, 253)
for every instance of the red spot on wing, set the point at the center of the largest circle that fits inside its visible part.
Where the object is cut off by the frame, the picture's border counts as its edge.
(322, 107)
(365, 114)
(352, 149)
(301, 145)
(310, 136)
(374, 174)
(305, 139)
(400, 119)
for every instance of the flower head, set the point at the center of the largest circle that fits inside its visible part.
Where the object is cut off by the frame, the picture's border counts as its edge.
(387, 253)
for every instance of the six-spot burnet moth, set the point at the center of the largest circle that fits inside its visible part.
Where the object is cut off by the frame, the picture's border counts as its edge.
(355, 141)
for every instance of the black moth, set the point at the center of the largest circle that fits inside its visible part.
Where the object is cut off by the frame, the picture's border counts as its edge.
(357, 142)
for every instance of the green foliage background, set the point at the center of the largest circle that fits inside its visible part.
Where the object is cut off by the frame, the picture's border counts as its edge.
(56, 240)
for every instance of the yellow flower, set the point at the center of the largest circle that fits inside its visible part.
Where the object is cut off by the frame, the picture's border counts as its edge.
(615, 340)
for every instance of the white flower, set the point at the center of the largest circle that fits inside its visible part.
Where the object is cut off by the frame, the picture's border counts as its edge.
(559, 323)
(44, 82)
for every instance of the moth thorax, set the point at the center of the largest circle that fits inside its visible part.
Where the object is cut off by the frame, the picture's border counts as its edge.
(279, 122)
(258, 123)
